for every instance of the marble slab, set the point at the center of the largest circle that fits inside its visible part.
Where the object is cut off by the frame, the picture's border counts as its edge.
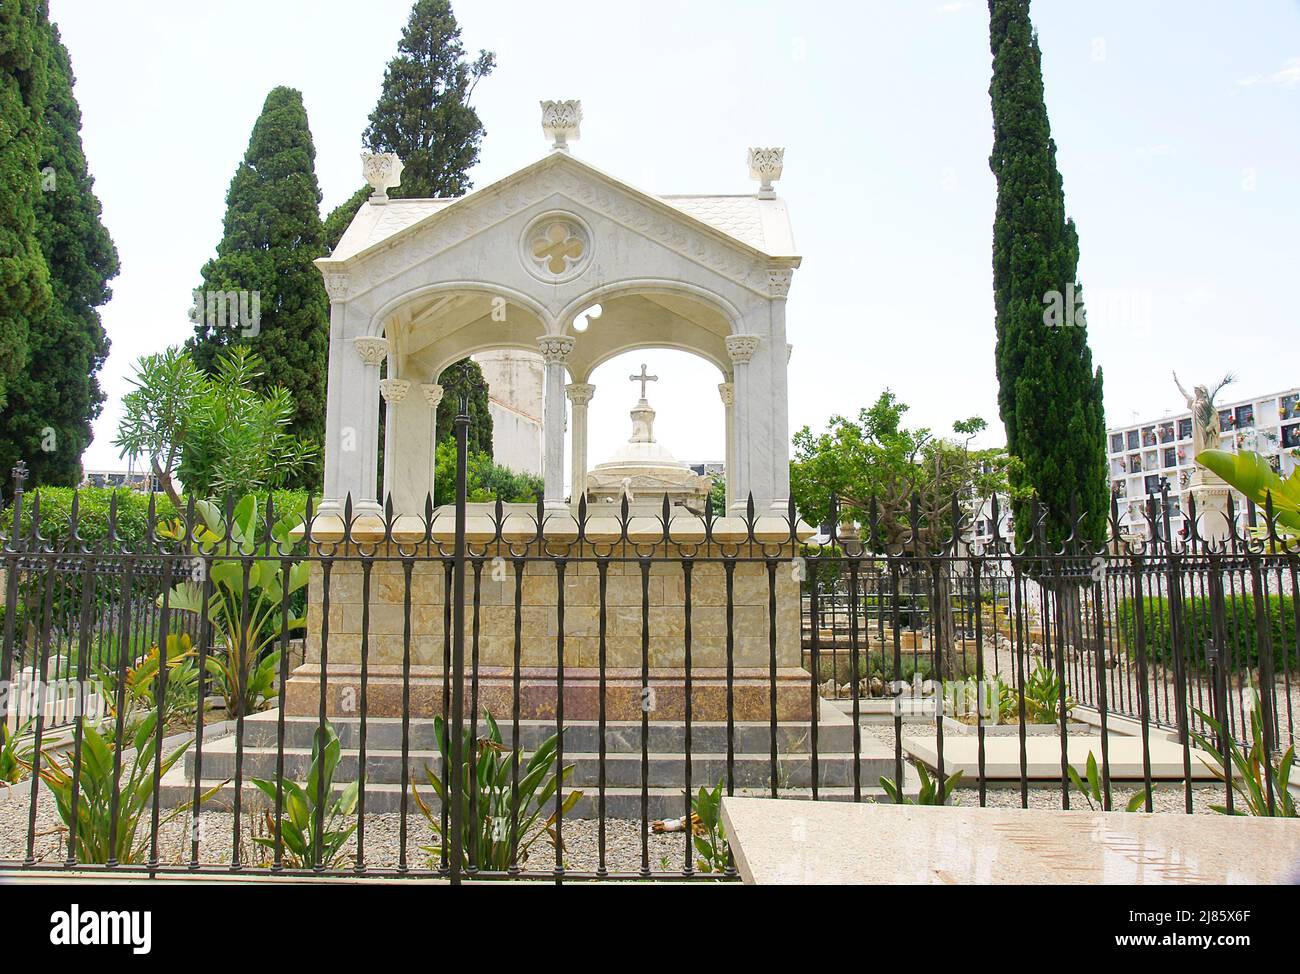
(1043, 756)
(803, 842)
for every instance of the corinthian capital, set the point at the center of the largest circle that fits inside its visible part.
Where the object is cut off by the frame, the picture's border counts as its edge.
(336, 285)
(394, 390)
(580, 393)
(555, 349)
(372, 350)
(432, 394)
(741, 348)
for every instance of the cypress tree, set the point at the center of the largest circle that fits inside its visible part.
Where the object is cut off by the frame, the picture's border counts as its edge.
(24, 276)
(465, 380)
(1049, 396)
(53, 402)
(423, 113)
(272, 234)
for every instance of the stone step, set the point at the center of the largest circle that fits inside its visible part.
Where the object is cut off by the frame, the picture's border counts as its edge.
(834, 733)
(623, 768)
(620, 802)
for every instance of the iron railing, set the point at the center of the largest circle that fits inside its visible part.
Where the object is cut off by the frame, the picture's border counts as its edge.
(654, 652)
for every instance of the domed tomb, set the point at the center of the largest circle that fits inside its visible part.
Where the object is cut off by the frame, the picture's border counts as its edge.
(645, 470)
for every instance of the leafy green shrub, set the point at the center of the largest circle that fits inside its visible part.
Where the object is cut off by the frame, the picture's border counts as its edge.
(298, 831)
(93, 505)
(1043, 697)
(92, 838)
(710, 836)
(245, 627)
(484, 480)
(16, 749)
(490, 837)
(180, 696)
(1239, 624)
(929, 791)
(1254, 768)
(1089, 785)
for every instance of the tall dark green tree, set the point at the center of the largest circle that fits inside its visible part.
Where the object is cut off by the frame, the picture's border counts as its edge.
(465, 380)
(273, 232)
(1049, 395)
(52, 403)
(24, 277)
(424, 113)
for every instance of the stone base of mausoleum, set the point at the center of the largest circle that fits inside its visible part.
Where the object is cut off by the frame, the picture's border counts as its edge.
(389, 695)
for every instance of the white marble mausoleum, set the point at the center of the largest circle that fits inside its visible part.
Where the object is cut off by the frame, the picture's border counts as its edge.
(417, 284)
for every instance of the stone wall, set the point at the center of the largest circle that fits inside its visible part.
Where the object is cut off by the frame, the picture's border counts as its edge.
(664, 610)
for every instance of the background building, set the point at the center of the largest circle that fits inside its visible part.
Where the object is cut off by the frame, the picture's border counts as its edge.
(1142, 455)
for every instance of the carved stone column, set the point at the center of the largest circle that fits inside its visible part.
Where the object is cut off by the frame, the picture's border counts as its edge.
(579, 394)
(555, 351)
(727, 390)
(745, 419)
(354, 439)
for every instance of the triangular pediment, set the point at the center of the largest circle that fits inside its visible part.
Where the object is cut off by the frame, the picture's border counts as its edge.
(739, 236)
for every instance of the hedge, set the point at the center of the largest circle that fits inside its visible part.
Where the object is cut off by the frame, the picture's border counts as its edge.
(1239, 626)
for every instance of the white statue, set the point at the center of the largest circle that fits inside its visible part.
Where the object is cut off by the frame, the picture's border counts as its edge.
(1206, 430)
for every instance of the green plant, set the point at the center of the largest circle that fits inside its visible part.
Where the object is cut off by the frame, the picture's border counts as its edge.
(246, 625)
(1089, 785)
(181, 695)
(485, 480)
(1254, 769)
(995, 700)
(1251, 474)
(488, 837)
(16, 750)
(1042, 695)
(216, 431)
(710, 836)
(1240, 630)
(97, 783)
(929, 790)
(304, 846)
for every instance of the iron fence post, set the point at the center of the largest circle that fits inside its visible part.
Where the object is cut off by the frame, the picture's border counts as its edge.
(456, 784)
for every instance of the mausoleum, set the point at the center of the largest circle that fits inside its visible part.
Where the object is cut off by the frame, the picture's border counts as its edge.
(418, 284)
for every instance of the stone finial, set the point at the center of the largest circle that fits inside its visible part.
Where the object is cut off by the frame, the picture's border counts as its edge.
(561, 121)
(741, 348)
(765, 165)
(372, 350)
(394, 390)
(432, 393)
(580, 393)
(555, 349)
(383, 171)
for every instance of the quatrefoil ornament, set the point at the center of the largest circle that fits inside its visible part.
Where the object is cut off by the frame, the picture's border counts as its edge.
(556, 248)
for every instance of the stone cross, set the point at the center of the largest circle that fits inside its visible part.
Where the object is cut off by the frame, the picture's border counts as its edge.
(643, 379)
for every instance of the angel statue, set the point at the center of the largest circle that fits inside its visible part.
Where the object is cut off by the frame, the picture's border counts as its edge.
(1206, 431)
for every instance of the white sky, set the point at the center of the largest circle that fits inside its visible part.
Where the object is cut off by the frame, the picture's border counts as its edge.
(1176, 121)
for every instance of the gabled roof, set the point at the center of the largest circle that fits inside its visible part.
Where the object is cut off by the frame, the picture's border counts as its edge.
(758, 225)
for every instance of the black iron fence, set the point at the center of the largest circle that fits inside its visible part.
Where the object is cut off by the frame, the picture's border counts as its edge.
(501, 691)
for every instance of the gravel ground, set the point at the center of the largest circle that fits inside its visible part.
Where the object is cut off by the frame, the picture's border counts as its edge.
(382, 839)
